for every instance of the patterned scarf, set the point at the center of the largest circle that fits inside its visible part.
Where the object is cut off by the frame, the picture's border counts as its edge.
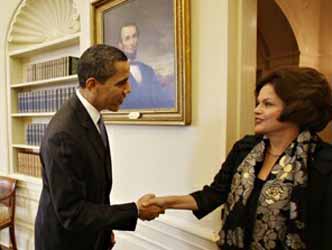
(279, 221)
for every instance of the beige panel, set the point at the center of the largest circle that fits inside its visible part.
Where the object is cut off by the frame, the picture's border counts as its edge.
(242, 69)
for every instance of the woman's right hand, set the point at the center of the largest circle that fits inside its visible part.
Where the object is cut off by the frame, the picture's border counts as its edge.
(186, 202)
(156, 201)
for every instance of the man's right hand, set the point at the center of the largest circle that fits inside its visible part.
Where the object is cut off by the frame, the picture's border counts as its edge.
(148, 212)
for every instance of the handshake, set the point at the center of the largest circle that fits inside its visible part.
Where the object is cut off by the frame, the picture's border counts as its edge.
(150, 207)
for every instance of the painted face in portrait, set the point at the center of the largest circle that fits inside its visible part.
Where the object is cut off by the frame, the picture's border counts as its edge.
(112, 93)
(267, 112)
(129, 40)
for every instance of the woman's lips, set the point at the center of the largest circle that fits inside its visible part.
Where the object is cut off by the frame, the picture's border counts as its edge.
(258, 120)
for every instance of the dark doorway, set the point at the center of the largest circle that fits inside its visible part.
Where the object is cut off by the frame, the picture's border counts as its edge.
(276, 42)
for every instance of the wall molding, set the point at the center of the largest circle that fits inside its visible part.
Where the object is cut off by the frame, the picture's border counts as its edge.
(242, 43)
(39, 21)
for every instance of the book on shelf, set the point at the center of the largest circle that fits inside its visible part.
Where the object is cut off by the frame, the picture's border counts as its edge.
(28, 164)
(47, 100)
(64, 66)
(34, 133)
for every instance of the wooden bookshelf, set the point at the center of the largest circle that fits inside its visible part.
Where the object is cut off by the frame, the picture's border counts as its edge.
(18, 62)
(46, 82)
(26, 178)
(26, 146)
(41, 114)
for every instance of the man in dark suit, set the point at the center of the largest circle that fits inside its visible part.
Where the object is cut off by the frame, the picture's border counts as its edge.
(74, 210)
(147, 91)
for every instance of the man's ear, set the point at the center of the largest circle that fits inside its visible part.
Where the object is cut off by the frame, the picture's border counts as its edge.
(90, 83)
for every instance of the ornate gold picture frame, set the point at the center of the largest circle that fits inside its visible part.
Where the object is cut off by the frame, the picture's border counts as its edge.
(155, 35)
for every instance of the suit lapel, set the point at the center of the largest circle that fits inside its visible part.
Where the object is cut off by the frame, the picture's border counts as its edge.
(89, 127)
(93, 135)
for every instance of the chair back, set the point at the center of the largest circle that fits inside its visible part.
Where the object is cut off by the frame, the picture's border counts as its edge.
(7, 194)
(7, 207)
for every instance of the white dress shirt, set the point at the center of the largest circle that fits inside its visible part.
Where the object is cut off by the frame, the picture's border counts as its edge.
(92, 111)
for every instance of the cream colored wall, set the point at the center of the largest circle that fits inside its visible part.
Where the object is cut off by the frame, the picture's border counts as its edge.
(304, 17)
(178, 160)
(325, 38)
(6, 11)
(242, 38)
(325, 51)
(310, 20)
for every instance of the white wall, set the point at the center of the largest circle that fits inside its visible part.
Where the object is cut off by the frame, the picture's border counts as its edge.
(170, 160)
(177, 160)
(6, 11)
(162, 159)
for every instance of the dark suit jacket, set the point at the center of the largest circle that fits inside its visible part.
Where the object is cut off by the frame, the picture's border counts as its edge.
(74, 210)
(318, 203)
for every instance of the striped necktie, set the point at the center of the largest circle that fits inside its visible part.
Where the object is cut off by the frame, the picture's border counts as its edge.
(103, 132)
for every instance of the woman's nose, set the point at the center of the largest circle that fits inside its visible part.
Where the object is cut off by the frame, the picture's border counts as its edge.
(257, 109)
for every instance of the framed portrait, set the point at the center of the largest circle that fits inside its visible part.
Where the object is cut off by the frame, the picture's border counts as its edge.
(155, 36)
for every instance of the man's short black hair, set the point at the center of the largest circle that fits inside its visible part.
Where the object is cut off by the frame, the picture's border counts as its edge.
(98, 62)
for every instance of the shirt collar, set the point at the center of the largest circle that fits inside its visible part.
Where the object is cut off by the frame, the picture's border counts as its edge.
(92, 111)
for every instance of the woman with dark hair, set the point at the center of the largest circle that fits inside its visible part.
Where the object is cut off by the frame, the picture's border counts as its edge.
(276, 186)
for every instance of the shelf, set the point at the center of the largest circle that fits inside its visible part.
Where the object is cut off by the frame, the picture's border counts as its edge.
(51, 45)
(26, 178)
(57, 80)
(33, 114)
(26, 146)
